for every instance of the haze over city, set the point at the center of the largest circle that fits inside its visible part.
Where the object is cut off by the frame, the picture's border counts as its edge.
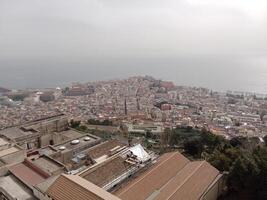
(215, 44)
(133, 100)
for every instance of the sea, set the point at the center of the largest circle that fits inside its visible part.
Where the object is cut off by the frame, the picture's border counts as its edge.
(216, 72)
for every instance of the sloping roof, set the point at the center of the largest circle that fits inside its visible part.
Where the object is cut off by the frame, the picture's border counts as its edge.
(167, 167)
(190, 183)
(73, 187)
(26, 174)
(111, 169)
(15, 188)
(173, 178)
(104, 148)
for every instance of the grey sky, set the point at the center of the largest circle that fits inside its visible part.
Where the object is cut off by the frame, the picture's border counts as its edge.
(129, 35)
(116, 27)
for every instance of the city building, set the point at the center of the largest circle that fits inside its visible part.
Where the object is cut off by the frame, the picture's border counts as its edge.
(174, 177)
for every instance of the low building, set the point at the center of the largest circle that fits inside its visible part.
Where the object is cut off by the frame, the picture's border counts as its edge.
(38, 133)
(49, 165)
(12, 189)
(73, 187)
(117, 166)
(28, 173)
(144, 128)
(174, 177)
(72, 150)
(10, 154)
(102, 151)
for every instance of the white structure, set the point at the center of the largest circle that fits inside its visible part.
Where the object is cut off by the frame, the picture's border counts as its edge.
(141, 154)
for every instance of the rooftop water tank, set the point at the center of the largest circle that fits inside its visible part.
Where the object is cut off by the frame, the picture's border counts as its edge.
(73, 142)
(62, 148)
(87, 138)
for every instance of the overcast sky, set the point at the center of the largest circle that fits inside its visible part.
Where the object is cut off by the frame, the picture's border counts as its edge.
(131, 35)
(52, 28)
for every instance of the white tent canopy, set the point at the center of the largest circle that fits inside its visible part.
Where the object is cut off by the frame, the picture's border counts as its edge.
(139, 151)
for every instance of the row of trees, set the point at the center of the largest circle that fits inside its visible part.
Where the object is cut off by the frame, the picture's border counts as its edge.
(83, 128)
(98, 122)
(75, 123)
(245, 159)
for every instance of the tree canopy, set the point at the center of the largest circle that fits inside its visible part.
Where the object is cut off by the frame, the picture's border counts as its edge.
(245, 159)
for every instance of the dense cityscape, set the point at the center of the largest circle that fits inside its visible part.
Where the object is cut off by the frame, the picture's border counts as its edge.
(133, 139)
(141, 100)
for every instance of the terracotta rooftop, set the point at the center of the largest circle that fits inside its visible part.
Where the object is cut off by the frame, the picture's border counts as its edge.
(26, 174)
(190, 183)
(107, 171)
(73, 187)
(104, 148)
(174, 177)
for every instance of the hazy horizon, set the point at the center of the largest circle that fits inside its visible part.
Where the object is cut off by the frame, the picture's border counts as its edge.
(206, 43)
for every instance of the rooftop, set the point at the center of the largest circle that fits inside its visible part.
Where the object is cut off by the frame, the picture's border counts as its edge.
(73, 187)
(15, 188)
(71, 134)
(14, 133)
(190, 183)
(48, 150)
(104, 148)
(173, 177)
(43, 186)
(8, 151)
(142, 128)
(81, 141)
(107, 171)
(48, 165)
(27, 174)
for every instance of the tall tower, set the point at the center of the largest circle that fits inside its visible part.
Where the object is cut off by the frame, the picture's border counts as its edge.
(137, 103)
(125, 106)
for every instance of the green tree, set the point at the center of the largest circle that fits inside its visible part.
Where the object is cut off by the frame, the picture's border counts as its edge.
(74, 124)
(194, 147)
(243, 174)
(265, 140)
(82, 128)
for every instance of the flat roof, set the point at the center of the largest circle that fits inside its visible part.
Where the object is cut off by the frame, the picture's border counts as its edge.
(14, 133)
(15, 188)
(81, 143)
(8, 151)
(71, 134)
(45, 120)
(48, 165)
(48, 150)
